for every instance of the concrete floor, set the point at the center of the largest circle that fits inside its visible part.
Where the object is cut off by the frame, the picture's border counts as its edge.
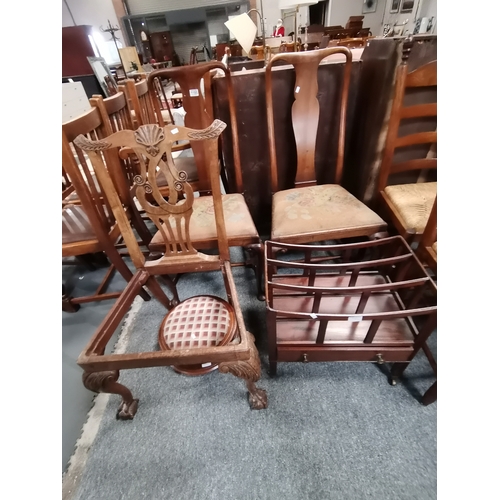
(77, 329)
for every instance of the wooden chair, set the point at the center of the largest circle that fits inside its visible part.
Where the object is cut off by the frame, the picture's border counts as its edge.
(310, 211)
(409, 202)
(115, 111)
(258, 52)
(197, 104)
(228, 346)
(427, 248)
(427, 253)
(88, 225)
(289, 47)
(352, 43)
(241, 230)
(145, 106)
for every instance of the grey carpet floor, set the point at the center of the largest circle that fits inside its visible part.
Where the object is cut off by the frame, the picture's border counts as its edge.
(331, 431)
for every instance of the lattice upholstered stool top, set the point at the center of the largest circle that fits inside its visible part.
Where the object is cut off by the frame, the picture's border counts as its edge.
(200, 321)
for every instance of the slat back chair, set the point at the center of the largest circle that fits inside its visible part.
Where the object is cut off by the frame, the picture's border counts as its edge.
(143, 103)
(67, 187)
(409, 204)
(427, 247)
(116, 111)
(312, 211)
(89, 227)
(152, 145)
(353, 42)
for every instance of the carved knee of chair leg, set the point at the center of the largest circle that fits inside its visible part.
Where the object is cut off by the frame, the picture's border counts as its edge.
(107, 382)
(249, 370)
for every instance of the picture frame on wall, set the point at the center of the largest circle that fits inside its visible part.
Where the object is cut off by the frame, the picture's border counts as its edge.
(369, 6)
(407, 5)
(394, 6)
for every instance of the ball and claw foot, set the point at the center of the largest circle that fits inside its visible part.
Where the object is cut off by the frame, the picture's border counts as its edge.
(257, 398)
(127, 411)
(107, 382)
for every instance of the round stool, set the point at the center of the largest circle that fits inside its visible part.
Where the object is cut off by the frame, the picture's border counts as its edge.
(198, 322)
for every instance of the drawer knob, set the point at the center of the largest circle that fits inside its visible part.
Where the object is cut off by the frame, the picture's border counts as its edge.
(380, 360)
(304, 358)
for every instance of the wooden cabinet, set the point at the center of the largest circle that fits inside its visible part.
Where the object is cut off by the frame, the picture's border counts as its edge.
(162, 47)
(76, 47)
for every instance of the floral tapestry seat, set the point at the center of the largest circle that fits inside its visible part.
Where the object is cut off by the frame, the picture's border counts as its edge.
(316, 213)
(237, 219)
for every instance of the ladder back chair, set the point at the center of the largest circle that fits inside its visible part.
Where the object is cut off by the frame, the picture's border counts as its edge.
(225, 344)
(88, 224)
(410, 155)
(312, 211)
(427, 247)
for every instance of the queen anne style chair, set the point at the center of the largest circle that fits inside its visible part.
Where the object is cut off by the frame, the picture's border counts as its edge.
(240, 228)
(88, 224)
(184, 337)
(310, 212)
(409, 204)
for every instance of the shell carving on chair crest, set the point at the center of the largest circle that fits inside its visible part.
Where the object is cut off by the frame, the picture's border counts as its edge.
(149, 136)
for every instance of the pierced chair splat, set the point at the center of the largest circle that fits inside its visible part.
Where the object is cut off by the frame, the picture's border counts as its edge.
(228, 345)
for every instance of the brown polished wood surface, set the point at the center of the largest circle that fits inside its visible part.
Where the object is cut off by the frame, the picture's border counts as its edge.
(314, 211)
(370, 97)
(89, 226)
(370, 301)
(152, 145)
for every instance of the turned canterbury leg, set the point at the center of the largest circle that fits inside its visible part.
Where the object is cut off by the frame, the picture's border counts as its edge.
(249, 370)
(107, 382)
(67, 304)
(430, 395)
(272, 341)
(256, 253)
